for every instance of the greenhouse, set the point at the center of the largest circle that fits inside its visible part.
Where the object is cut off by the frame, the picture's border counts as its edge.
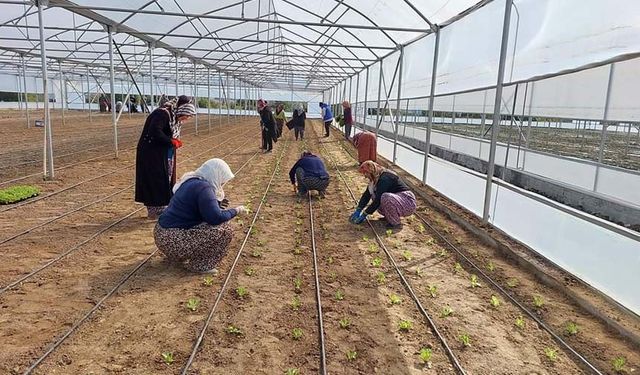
(410, 187)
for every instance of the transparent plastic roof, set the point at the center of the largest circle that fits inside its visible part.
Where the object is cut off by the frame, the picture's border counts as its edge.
(298, 44)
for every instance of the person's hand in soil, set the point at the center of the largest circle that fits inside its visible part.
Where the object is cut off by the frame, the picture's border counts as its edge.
(224, 203)
(241, 210)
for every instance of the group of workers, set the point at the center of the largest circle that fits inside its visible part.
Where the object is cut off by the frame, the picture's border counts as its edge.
(193, 212)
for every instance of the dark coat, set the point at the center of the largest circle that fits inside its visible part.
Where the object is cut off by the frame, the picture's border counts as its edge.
(268, 121)
(153, 187)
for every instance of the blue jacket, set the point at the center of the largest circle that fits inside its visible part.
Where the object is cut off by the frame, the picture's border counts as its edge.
(327, 114)
(312, 167)
(194, 203)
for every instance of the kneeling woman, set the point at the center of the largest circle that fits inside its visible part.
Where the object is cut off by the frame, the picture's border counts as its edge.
(391, 196)
(194, 229)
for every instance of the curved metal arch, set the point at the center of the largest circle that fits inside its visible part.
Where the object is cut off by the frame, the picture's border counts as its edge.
(368, 19)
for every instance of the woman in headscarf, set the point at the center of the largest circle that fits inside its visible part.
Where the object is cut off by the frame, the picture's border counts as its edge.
(176, 127)
(297, 122)
(348, 119)
(268, 125)
(366, 144)
(310, 174)
(194, 230)
(154, 178)
(281, 118)
(390, 196)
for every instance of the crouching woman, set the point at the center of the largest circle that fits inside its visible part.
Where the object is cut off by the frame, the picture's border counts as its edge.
(194, 230)
(390, 196)
(310, 174)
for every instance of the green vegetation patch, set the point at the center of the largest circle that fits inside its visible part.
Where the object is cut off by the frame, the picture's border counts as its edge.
(17, 193)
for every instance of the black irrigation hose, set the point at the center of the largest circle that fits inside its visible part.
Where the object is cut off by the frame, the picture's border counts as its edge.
(73, 328)
(531, 315)
(323, 354)
(415, 298)
(98, 233)
(120, 169)
(212, 311)
(558, 339)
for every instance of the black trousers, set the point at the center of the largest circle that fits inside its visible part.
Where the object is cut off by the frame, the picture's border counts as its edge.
(327, 125)
(267, 139)
(347, 131)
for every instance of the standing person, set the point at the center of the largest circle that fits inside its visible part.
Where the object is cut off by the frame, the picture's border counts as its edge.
(327, 117)
(268, 125)
(390, 196)
(348, 119)
(280, 118)
(194, 229)
(366, 144)
(153, 181)
(297, 122)
(310, 174)
(176, 127)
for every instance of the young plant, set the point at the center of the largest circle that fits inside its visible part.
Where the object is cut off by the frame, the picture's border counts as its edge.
(429, 241)
(474, 281)
(339, 295)
(443, 253)
(520, 322)
(465, 340)
(491, 267)
(381, 277)
(296, 333)
(571, 328)
(297, 283)
(376, 262)
(618, 364)
(405, 325)
(538, 301)
(446, 311)
(419, 272)
(167, 357)
(207, 281)
(433, 291)
(373, 247)
(233, 330)
(298, 222)
(249, 271)
(421, 228)
(351, 355)
(192, 304)
(389, 232)
(260, 243)
(457, 267)
(395, 300)
(495, 302)
(292, 371)
(297, 250)
(552, 354)
(425, 356)
(407, 255)
(242, 292)
(344, 323)
(365, 238)
(512, 283)
(256, 253)
(330, 259)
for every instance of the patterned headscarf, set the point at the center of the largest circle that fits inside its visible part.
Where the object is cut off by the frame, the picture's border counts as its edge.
(170, 106)
(371, 170)
(261, 104)
(186, 110)
(215, 171)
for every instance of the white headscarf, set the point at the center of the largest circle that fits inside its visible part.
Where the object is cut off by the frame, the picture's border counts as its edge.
(214, 171)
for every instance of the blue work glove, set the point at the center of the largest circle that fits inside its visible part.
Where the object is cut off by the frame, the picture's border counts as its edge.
(355, 214)
(361, 218)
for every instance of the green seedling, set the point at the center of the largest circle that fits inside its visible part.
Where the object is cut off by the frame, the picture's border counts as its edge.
(443, 253)
(339, 295)
(298, 242)
(512, 283)
(491, 267)
(260, 243)
(538, 301)
(465, 340)
(405, 325)
(446, 311)
(474, 282)
(520, 322)
(351, 355)
(389, 232)
(457, 267)
(240, 222)
(249, 271)
(193, 303)
(421, 228)
(407, 255)
(429, 241)
(411, 218)
(618, 364)
(381, 277)
(365, 238)
(295, 303)
(419, 272)
(344, 323)
(333, 275)
(571, 328)
(256, 253)
(242, 292)
(376, 262)
(296, 333)
(297, 230)
(208, 281)
(253, 231)
(292, 371)
(373, 248)
(433, 291)
(297, 283)
(297, 250)
(233, 330)
(395, 300)
(425, 356)
(495, 302)
(330, 260)
(298, 222)
(167, 357)
(552, 354)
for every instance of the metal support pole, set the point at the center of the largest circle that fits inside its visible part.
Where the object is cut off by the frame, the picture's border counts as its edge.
(209, 99)
(26, 93)
(227, 92)
(355, 111)
(495, 127)
(151, 99)
(112, 86)
(526, 142)
(219, 98)
(379, 96)
(605, 118)
(89, 92)
(19, 91)
(366, 94)
(427, 137)
(398, 109)
(176, 71)
(48, 138)
(62, 84)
